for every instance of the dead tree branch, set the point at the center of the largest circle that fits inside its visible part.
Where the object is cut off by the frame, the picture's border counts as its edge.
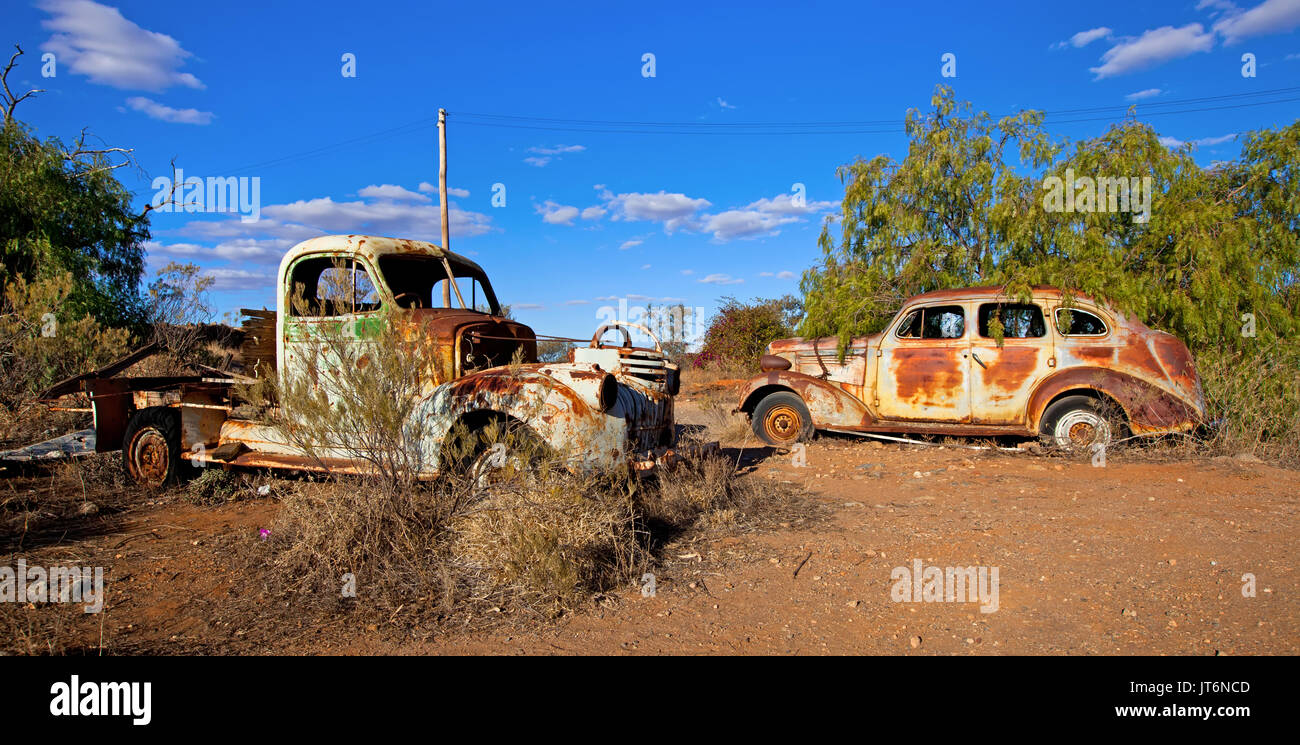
(10, 101)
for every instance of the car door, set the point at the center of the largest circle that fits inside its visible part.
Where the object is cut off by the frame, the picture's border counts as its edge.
(921, 373)
(1003, 376)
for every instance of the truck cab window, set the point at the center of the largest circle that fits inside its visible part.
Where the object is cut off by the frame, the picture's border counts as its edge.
(418, 282)
(331, 286)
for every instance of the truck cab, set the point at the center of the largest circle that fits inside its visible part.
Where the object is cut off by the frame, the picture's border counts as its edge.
(608, 407)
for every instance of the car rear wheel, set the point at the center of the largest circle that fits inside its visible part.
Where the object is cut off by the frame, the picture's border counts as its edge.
(1079, 423)
(151, 447)
(781, 419)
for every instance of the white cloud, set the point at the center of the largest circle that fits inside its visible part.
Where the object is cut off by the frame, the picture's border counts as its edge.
(723, 104)
(527, 306)
(761, 218)
(645, 266)
(1201, 142)
(242, 250)
(97, 41)
(688, 272)
(1152, 48)
(539, 162)
(1217, 6)
(778, 275)
(674, 210)
(593, 213)
(1207, 141)
(155, 110)
(283, 225)
(577, 302)
(1269, 17)
(393, 191)
(1084, 38)
(452, 191)
(625, 245)
(418, 221)
(557, 149)
(678, 211)
(556, 214)
(1148, 93)
(226, 279)
(721, 279)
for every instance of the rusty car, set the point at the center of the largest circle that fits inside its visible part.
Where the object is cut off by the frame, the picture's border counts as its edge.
(1067, 369)
(608, 406)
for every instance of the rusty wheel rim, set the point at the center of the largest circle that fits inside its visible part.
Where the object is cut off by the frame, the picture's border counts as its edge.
(1081, 429)
(150, 457)
(783, 423)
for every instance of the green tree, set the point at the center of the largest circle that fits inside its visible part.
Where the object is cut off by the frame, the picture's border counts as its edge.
(969, 205)
(62, 210)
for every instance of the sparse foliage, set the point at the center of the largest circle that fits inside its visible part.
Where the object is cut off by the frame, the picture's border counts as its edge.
(740, 331)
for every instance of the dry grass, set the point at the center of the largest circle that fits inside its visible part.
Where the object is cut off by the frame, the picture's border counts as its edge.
(543, 544)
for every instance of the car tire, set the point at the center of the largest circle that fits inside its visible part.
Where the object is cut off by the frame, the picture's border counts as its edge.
(151, 447)
(1079, 423)
(781, 419)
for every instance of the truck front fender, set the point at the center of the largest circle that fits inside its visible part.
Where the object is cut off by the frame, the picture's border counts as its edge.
(560, 406)
(829, 404)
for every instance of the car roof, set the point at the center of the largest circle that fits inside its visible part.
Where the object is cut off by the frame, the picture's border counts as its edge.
(993, 292)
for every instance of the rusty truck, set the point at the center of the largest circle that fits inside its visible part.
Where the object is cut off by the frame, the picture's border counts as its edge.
(1068, 369)
(608, 406)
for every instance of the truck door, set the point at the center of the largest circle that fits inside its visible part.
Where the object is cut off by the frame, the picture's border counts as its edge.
(330, 321)
(921, 373)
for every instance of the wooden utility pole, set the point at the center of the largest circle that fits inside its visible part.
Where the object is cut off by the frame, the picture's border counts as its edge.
(442, 195)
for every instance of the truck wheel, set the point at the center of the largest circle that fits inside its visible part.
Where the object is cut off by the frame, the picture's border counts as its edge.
(781, 420)
(151, 447)
(1078, 423)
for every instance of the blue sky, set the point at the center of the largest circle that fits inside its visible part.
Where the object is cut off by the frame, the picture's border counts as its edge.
(685, 213)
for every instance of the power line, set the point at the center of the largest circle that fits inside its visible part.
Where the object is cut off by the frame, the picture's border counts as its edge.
(780, 128)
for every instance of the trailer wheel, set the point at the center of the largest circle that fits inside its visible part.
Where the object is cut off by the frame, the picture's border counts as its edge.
(151, 447)
(781, 419)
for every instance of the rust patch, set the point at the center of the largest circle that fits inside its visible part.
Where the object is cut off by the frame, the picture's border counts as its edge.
(1011, 368)
(1092, 354)
(927, 376)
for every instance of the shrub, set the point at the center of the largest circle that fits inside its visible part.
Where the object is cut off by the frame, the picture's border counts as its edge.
(739, 332)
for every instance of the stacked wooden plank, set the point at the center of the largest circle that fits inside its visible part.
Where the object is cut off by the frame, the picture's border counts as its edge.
(258, 349)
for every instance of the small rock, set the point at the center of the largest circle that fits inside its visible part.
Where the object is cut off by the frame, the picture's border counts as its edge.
(87, 508)
(915, 642)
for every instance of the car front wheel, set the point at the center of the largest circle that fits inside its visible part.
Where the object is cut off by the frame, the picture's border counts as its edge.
(782, 419)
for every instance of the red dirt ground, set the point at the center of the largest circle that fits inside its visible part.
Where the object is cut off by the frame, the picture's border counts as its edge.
(1138, 557)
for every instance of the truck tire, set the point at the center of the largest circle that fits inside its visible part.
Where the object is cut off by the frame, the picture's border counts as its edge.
(151, 447)
(1079, 423)
(781, 419)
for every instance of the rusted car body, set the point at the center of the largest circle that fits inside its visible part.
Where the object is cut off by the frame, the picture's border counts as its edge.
(1071, 374)
(607, 407)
